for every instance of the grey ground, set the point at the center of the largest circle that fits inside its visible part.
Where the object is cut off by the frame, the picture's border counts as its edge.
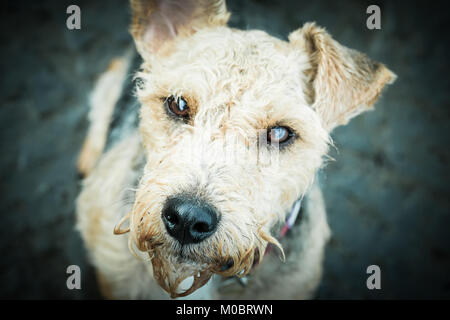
(386, 193)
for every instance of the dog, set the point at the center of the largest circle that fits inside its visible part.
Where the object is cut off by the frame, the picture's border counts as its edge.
(215, 183)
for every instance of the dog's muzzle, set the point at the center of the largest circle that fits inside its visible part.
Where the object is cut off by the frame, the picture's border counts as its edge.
(188, 219)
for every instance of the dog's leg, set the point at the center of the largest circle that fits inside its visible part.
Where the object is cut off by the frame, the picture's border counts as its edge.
(103, 98)
(308, 245)
(106, 196)
(104, 286)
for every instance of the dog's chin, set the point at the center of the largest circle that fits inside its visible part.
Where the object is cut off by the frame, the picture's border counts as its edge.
(179, 277)
(182, 276)
(181, 270)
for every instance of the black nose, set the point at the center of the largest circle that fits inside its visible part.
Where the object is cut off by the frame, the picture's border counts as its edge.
(189, 220)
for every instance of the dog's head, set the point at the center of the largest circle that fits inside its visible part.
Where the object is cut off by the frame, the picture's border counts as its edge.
(235, 125)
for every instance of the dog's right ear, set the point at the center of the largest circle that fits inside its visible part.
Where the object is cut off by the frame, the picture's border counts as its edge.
(156, 24)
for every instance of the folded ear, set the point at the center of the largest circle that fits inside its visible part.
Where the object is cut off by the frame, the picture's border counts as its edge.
(157, 23)
(342, 82)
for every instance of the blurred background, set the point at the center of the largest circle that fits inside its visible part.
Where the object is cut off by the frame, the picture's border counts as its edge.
(387, 192)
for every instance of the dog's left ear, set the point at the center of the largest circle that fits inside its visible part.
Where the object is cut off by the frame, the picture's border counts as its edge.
(342, 82)
(156, 24)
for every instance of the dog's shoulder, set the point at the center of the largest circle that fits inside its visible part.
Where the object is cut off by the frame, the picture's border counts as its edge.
(124, 120)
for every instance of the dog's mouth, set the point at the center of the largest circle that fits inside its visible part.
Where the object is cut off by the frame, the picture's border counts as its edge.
(181, 277)
(182, 270)
(180, 273)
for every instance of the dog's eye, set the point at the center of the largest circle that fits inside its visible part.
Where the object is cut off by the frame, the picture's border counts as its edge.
(177, 106)
(279, 135)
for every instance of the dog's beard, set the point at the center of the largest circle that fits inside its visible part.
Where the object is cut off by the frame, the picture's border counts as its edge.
(171, 268)
(169, 272)
(172, 263)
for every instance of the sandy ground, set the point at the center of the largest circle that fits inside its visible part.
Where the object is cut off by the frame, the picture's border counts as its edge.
(386, 193)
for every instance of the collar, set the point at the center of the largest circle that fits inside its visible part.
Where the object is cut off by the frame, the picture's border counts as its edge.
(292, 217)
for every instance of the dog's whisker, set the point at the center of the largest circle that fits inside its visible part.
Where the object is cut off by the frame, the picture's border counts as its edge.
(117, 228)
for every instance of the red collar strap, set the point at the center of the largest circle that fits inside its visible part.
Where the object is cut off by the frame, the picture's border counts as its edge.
(292, 217)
